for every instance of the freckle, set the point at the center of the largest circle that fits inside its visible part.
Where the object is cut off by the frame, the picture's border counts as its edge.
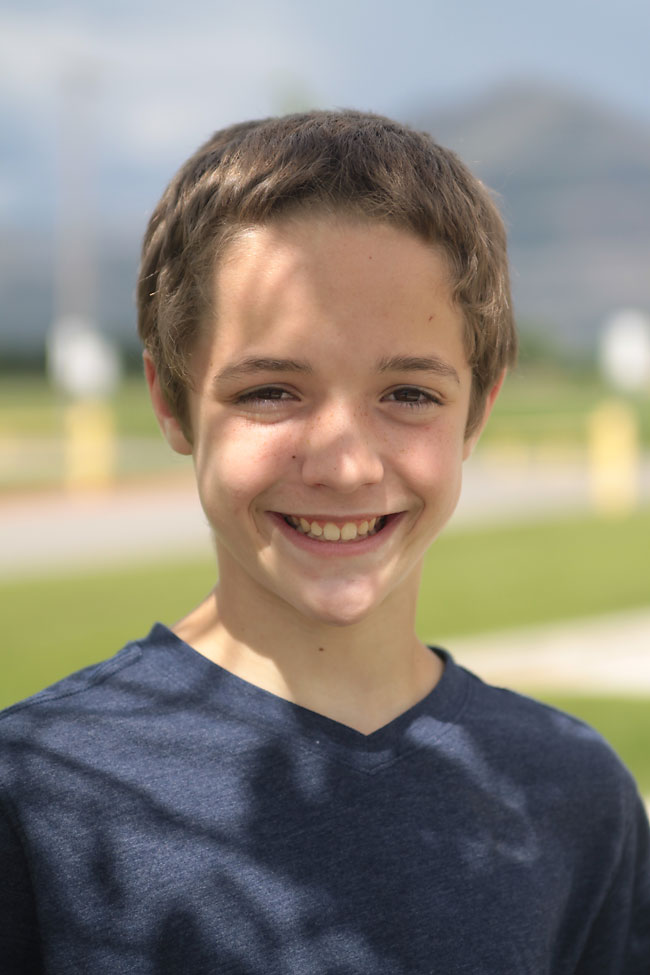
(320, 649)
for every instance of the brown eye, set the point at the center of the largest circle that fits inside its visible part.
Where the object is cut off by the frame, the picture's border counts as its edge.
(413, 396)
(264, 394)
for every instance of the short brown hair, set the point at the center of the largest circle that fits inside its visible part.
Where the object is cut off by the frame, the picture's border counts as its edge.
(338, 162)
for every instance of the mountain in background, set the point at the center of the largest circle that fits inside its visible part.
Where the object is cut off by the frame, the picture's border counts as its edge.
(573, 182)
(572, 177)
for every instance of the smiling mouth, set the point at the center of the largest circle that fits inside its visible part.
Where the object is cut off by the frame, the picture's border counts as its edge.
(344, 531)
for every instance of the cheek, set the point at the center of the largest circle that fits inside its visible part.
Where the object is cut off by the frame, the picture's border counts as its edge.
(240, 461)
(432, 460)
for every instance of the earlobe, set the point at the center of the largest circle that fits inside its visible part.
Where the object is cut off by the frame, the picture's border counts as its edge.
(473, 439)
(168, 423)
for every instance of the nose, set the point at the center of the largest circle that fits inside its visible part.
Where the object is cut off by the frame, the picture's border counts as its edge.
(339, 450)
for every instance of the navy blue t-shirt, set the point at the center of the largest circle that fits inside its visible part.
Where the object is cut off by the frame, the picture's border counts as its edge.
(160, 815)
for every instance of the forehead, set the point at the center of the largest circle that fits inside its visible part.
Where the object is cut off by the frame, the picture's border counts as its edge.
(333, 261)
(338, 295)
(305, 227)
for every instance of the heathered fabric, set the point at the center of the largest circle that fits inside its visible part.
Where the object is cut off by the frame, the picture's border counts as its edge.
(160, 815)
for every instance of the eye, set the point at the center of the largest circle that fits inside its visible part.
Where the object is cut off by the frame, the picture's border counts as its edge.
(413, 397)
(265, 396)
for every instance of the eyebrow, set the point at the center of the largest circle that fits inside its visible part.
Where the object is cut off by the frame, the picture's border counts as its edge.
(393, 363)
(418, 363)
(244, 367)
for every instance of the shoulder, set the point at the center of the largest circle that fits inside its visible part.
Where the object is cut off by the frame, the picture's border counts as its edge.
(78, 685)
(84, 728)
(146, 661)
(558, 775)
(528, 723)
(557, 756)
(71, 708)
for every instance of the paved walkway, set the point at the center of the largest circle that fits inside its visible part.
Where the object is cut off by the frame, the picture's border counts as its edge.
(603, 655)
(46, 532)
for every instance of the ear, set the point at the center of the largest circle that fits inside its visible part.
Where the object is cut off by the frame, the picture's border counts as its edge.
(474, 437)
(167, 422)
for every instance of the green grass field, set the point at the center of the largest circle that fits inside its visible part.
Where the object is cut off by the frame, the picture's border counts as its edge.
(538, 409)
(474, 581)
(510, 575)
(30, 407)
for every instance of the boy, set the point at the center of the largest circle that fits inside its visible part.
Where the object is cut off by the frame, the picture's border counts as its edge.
(288, 780)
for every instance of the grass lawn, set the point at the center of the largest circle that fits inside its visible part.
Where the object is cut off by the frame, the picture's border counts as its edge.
(29, 407)
(535, 409)
(511, 575)
(57, 624)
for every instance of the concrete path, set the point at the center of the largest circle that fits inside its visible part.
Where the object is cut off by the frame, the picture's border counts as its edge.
(47, 532)
(603, 655)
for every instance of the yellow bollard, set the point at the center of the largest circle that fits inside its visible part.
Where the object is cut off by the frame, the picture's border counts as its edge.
(614, 458)
(90, 447)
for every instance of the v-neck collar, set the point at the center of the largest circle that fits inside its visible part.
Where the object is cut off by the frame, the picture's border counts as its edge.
(209, 686)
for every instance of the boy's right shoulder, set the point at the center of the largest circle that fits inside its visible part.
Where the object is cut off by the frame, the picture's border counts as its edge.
(74, 685)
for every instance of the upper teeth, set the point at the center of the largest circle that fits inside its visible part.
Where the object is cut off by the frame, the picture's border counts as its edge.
(330, 532)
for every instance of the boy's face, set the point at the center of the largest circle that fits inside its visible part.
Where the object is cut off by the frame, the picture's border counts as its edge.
(331, 398)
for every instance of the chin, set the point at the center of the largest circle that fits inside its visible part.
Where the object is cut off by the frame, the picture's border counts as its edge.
(342, 618)
(341, 609)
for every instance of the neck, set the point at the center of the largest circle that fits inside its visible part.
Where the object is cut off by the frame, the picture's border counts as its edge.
(362, 675)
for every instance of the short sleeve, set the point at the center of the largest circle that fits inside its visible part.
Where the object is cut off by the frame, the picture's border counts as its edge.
(19, 939)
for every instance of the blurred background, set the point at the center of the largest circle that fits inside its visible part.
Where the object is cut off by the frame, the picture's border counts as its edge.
(543, 580)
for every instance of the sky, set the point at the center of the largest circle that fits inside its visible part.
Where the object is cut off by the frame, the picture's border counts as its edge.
(154, 79)
(165, 74)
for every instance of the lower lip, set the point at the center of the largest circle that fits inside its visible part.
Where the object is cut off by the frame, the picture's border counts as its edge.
(339, 549)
